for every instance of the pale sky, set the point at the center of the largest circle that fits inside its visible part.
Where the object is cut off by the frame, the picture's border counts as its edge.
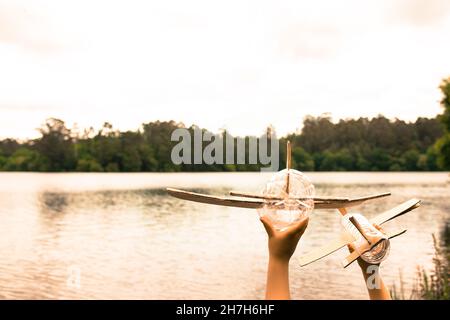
(239, 65)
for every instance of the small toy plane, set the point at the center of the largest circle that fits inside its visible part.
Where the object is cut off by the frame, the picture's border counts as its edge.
(256, 201)
(372, 237)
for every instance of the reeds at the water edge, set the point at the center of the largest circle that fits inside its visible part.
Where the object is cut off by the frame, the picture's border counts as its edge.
(432, 285)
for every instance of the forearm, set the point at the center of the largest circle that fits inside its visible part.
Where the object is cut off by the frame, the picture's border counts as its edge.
(277, 280)
(375, 286)
(379, 294)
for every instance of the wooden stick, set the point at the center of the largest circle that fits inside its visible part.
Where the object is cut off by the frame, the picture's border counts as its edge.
(359, 228)
(268, 197)
(288, 164)
(288, 155)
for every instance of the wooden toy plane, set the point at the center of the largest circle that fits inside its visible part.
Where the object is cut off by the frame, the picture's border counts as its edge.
(255, 201)
(346, 238)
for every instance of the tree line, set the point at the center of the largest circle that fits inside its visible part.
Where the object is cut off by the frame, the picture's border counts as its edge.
(377, 144)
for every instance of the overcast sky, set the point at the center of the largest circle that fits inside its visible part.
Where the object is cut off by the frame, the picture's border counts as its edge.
(239, 65)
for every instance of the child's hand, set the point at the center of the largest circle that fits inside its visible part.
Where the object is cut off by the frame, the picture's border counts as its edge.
(282, 244)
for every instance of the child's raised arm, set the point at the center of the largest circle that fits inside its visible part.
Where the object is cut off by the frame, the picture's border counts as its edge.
(371, 273)
(282, 245)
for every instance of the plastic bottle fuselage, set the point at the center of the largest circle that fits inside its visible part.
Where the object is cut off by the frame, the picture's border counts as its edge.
(371, 243)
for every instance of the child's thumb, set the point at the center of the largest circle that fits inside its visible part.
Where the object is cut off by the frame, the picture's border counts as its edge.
(267, 225)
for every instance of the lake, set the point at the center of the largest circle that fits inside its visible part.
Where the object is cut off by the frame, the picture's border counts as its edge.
(108, 236)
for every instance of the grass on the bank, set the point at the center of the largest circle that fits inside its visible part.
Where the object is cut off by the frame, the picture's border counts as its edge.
(432, 285)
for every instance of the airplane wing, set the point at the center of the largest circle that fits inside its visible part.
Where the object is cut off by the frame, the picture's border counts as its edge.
(321, 252)
(346, 238)
(220, 201)
(351, 202)
(258, 201)
(396, 212)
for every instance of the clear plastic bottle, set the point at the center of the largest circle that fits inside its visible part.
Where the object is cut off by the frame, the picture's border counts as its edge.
(380, 251)
(296, 198)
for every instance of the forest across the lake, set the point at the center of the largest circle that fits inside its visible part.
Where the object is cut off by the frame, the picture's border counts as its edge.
(376, 144)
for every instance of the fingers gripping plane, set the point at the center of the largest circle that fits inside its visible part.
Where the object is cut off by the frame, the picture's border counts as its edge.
(361, 232)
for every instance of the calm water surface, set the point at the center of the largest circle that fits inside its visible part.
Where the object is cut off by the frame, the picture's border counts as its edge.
(123, 237)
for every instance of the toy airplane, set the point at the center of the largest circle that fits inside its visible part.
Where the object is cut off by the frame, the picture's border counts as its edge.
(255, 201)
(372, 237)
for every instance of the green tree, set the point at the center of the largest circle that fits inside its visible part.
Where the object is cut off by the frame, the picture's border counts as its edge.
(8, 147)
(25, 160)
(157, 135)
(112, 167)
(302, 160)
(410, 159)
(380, 161)
(443, 144)
(56, 145)
(3, 160)
(422, 163)
(147, 155)
(106, 146)
(362, 164)
(427, 132)
(88, 165)
(445, 103)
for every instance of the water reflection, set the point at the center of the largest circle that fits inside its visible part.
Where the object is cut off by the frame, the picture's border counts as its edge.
(136, 242)
(52, 202)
